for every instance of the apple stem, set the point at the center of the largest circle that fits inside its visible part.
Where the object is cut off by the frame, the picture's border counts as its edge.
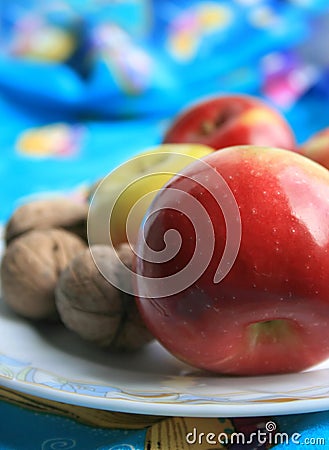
(270, 330)
(207, 127)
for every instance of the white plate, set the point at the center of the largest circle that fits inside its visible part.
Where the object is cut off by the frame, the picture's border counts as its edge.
(48, 361)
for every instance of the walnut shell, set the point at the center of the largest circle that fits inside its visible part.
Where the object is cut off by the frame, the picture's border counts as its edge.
(30, 269)
(42, 214)
(96, 310)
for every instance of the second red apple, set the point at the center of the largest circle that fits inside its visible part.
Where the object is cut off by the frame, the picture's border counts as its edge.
(228, 120)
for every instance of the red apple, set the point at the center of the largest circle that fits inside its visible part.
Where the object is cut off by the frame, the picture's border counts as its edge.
(229, 120)
(317, 147)
(265, 309)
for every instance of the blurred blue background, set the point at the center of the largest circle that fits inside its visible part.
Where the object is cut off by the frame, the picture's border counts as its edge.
(86, 85)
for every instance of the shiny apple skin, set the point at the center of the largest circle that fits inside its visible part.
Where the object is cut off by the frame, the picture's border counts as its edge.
(230, 120)
(280, 275)
(317, 147)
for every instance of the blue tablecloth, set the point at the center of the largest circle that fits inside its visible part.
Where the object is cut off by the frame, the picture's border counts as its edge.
(25, 429)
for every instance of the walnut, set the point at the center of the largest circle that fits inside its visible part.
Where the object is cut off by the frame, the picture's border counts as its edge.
(59, 212)
(96, 310)
(30, 269)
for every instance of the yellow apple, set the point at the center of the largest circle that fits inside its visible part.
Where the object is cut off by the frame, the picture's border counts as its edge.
(122, 198)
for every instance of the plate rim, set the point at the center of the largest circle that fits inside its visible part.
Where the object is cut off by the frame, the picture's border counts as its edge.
(200, 410)
(196, 407)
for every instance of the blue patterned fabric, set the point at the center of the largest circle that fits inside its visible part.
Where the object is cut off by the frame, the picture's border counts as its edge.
(21, 429)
